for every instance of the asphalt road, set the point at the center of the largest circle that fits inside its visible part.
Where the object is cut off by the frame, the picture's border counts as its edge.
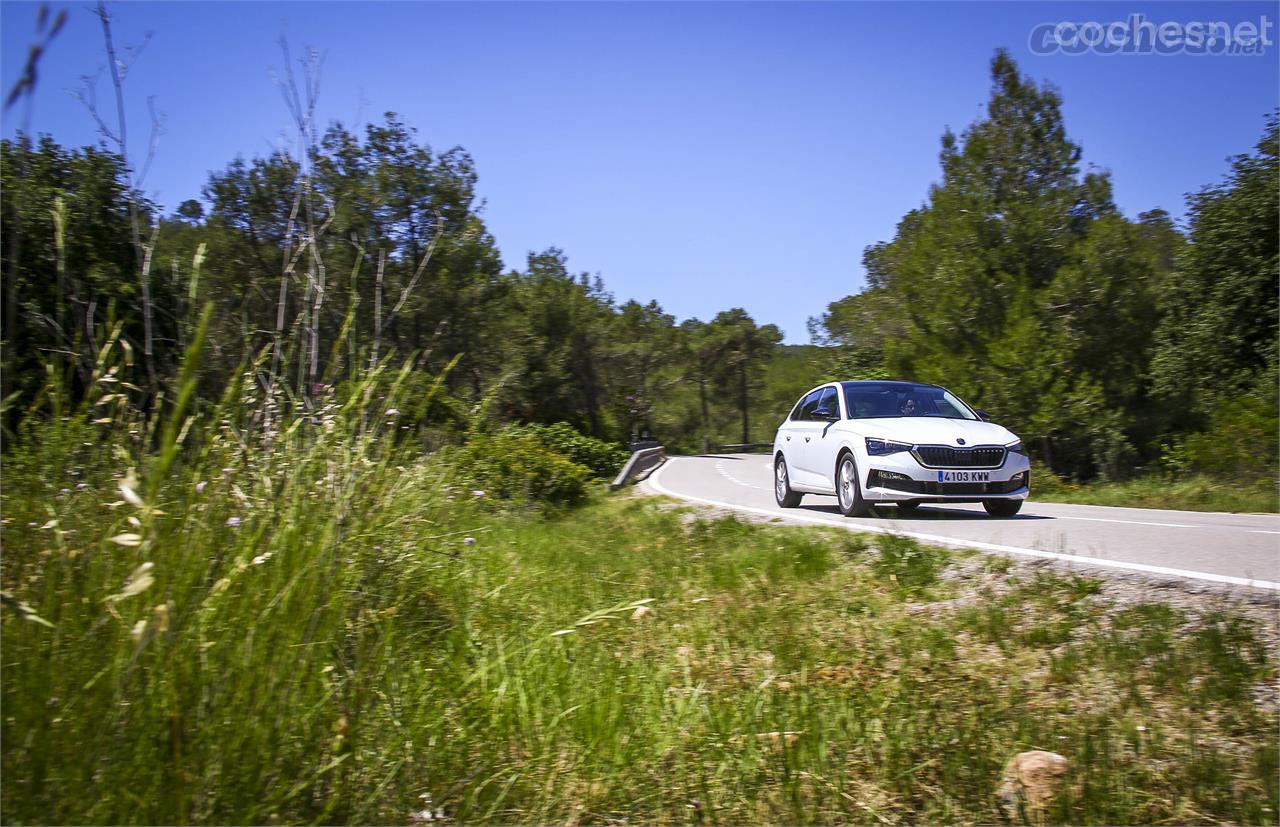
(1235, 549)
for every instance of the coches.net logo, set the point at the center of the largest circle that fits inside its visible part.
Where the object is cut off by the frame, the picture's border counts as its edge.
(1136, 35)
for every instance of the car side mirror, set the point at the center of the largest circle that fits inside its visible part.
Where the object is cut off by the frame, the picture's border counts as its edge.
(826, 415)
(983, 415)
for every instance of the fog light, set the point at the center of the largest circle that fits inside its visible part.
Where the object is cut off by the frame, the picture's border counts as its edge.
(893, 475)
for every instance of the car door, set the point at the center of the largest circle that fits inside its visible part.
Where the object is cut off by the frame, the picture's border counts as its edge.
(824, 443)
(796, 433)
(785, 439)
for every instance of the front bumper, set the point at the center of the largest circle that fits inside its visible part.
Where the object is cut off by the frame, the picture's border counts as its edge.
(900, 477)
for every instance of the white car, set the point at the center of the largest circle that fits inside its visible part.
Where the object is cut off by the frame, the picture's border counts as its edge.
(901, 443)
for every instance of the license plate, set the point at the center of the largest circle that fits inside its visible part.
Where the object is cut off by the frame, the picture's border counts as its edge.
(964, 476)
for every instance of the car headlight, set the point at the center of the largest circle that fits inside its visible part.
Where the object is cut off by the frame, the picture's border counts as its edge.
(1016, 448)
(884, 447)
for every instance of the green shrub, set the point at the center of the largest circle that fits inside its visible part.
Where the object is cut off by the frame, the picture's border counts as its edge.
(1241, 442)
(512, 465)
(603, 459)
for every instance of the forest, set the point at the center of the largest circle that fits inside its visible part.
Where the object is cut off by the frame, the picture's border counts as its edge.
(1116, 346)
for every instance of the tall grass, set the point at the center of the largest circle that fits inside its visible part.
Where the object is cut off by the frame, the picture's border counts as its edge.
(1185, 492)
(221, 624)
(307, 623)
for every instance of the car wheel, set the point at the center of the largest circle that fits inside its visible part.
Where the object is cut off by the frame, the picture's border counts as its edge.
(848, 492)
(782, 485)
(1002, 508)
(907, 508)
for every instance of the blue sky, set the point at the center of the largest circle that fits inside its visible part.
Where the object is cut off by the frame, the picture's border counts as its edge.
(705, 155)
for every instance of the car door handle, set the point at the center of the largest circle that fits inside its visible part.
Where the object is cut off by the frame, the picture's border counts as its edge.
(806, 439)
(788, 439)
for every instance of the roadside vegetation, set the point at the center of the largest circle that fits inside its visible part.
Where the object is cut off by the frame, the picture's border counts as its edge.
(1197, 492)
(314, 624)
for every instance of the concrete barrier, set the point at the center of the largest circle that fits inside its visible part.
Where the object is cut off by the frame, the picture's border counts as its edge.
(641, 465)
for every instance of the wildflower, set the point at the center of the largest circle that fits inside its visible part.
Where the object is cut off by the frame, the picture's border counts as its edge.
(126, 491)
(200, 486)
(262, 558)
(62, 492)
(469, 541)
(82, 486)
(393, 411)
(477, 493)
(138, 582)
(233, 522)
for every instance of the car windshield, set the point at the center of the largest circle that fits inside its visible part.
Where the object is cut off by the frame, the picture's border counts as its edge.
(873, 400)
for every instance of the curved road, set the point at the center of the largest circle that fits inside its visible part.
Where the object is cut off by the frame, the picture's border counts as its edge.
(1234, 549)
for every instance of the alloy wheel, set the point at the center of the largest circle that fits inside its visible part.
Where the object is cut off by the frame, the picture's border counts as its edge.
(847, 483)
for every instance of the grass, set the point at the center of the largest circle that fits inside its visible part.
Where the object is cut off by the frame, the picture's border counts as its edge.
(335, 630)
(1197, 492)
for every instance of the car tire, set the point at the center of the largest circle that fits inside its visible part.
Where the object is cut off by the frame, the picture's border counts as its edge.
(782, 485)
(848, 491)
(907, 508)
(1002, 508)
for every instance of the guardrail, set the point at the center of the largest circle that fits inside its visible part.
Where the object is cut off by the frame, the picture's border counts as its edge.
(641, 465)
(741, 448)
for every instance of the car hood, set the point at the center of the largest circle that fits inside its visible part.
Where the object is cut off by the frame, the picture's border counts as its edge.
(927, 430)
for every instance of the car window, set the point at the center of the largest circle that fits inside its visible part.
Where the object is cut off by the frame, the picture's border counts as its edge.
(829, 401)
(804, 411)
(863, 404)
(869, 400)
(946, 407)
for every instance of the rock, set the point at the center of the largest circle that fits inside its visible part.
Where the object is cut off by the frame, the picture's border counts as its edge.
(1029, 784)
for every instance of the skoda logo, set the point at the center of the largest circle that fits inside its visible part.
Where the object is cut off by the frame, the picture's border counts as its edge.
(959, 441)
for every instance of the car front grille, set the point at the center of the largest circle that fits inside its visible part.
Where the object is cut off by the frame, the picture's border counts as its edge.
(944, 456)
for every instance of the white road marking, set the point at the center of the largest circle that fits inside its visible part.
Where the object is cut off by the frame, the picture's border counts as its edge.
(1260, 531)
(1129, 522)
(655, 482)
(724, 472)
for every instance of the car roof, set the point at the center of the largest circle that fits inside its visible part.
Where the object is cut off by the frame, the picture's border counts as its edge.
(853, 384)
(882, 382)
